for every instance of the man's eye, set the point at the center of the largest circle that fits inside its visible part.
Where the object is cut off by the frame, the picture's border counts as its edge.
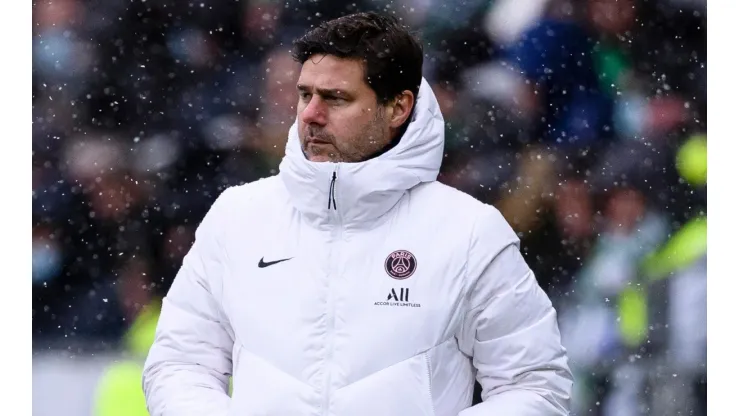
(304, 95)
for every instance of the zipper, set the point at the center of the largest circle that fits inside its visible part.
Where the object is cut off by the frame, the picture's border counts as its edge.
(332, 186)
(429, 382)
(336, 242)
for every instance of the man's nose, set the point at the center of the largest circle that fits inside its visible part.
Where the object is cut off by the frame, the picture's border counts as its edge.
(314, 112)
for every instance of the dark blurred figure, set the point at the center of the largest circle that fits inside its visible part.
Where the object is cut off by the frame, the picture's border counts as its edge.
(554, 57)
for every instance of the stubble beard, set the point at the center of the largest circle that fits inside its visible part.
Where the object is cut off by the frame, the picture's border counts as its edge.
(369, 141)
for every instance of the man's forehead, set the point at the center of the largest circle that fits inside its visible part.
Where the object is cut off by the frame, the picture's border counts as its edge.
(330, 72)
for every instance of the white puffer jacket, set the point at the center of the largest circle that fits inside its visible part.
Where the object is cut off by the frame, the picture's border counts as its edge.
(364, 289)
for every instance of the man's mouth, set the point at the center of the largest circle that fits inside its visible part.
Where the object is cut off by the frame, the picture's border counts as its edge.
(317, 140)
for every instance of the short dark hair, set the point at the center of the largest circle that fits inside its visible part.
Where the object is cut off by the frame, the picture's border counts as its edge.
(392, 56)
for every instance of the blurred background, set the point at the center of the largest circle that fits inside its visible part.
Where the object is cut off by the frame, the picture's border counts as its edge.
(583, 121)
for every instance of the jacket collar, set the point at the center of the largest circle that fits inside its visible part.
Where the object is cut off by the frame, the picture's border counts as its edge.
(364, 191)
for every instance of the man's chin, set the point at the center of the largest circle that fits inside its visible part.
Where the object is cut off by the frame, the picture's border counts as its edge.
(321, 155)
(318, 158)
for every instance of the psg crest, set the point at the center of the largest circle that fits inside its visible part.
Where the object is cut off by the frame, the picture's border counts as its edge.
(400, 264)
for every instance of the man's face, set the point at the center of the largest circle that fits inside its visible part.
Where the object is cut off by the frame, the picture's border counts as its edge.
(339, 118)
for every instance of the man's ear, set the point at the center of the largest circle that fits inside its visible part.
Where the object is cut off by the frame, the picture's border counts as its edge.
(400, 109)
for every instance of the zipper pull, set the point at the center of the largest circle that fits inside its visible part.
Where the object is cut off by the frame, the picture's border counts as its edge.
(331, 191)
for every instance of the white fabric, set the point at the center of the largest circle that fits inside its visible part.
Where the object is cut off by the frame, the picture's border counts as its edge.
(321, 333)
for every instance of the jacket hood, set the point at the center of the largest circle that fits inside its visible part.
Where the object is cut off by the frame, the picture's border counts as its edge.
(364, 191)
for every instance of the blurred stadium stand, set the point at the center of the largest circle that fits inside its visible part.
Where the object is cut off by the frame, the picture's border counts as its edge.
(583, 121)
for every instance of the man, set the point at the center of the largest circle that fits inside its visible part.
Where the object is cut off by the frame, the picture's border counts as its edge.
(352, 283)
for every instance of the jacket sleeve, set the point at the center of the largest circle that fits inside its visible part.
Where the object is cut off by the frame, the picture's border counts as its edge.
(510, 330)
(187, 369)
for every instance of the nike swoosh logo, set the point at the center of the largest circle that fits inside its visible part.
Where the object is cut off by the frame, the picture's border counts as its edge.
(262, 264)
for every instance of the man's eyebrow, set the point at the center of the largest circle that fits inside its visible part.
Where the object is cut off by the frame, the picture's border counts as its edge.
(324, 91)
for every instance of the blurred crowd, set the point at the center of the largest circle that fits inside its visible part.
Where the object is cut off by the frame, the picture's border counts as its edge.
(583, 121)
